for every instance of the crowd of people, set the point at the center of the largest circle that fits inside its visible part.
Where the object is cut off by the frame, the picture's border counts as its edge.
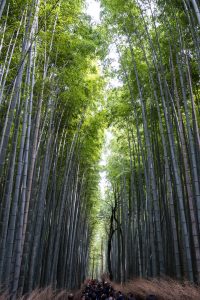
(96, 290)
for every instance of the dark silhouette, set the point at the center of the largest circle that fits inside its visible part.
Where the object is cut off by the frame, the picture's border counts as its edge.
(131, 297)
(120, 296)
(151, 297)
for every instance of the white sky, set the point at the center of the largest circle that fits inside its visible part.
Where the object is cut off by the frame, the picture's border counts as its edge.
(93, 9)
(103, 184)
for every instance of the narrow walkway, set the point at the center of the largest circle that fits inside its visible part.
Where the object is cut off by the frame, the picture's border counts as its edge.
(97, 290)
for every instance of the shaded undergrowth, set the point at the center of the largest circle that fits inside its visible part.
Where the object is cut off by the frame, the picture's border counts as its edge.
(164, 290)
(44, 294)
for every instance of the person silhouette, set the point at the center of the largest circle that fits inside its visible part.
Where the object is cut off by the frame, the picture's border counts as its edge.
(151, 297)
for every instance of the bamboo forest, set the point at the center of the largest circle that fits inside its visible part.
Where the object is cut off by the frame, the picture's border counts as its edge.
(99, 146)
